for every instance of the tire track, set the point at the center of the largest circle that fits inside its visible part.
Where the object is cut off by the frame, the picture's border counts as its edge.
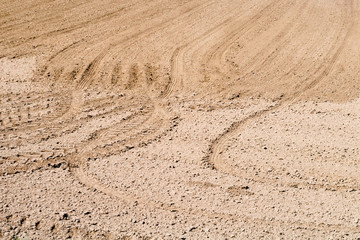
(177, 67)
(91, 69)
(279, 40)
(221, 47)
(60, 107)
(213, 158)
(79, 164)
(94, 183)
(177, 59)
(142, 127)
(103, 18)
(259, 62)
(89, 72)
(62, 129)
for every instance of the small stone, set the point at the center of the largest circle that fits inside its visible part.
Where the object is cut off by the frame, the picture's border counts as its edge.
(56, 165)
(64, 216)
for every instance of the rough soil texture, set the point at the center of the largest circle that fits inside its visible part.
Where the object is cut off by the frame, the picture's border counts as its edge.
(178, 119)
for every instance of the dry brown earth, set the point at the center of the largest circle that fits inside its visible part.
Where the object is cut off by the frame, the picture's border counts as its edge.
(177, 119)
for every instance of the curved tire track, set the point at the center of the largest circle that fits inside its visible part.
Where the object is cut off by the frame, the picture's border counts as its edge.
(213, 158)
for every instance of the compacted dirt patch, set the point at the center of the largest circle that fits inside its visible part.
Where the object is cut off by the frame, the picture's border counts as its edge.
(179, 119)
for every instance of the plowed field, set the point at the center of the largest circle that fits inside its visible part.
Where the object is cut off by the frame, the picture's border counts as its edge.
(185, 119)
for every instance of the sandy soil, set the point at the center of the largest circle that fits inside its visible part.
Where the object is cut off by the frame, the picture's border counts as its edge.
(180, 119)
